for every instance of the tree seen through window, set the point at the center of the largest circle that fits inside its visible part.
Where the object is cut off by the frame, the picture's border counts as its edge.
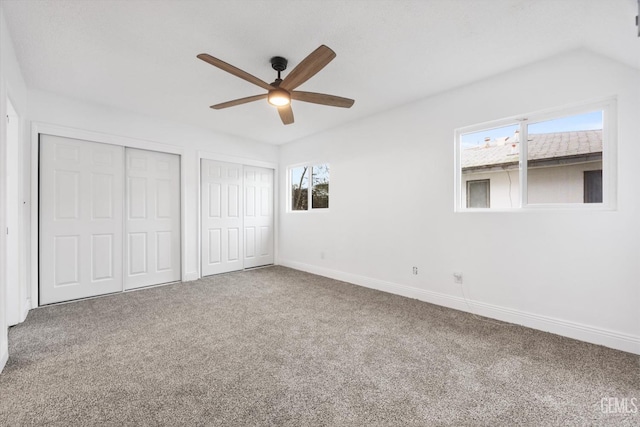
(301, 199)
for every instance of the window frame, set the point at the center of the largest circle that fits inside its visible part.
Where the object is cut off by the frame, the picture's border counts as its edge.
(310, 208)
(608, 106)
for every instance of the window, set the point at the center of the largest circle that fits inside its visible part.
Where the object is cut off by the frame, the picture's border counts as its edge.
(478, 193)
(558, 159)
(300, 189)
(593, 186)
(301, 198)
(320, 186)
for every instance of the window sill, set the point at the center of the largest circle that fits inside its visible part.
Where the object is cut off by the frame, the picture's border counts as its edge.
(307, 211)
(596, 207)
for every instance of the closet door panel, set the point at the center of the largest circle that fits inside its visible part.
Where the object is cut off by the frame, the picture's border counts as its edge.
(80, 219)
(221, 217)
(153, 218)
(258, 217)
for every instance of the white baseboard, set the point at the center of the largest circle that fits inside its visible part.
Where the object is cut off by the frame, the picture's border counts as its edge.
(189, 276)
(578, 331)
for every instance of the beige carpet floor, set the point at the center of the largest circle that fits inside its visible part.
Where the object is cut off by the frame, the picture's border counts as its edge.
(276, 346)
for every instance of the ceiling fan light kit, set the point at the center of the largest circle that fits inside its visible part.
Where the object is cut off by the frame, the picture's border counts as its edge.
(279, 97)
(281, 91)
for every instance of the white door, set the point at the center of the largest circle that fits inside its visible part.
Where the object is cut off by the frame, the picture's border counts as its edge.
(221, 213)
(152, 248)
(258, 216)
(80, 218)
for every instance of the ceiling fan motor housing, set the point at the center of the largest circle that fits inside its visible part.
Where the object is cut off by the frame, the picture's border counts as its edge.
(278, 63)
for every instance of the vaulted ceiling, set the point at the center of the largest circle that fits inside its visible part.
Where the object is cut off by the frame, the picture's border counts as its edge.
(140, 55)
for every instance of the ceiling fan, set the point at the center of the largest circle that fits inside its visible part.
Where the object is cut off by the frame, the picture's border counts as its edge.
(281, 91)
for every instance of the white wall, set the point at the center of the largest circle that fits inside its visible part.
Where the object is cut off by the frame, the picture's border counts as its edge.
(392, 207)
(47, 109)
(12, 87)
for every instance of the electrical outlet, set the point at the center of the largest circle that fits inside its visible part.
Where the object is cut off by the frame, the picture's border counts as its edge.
(415, 271)
(457, 278)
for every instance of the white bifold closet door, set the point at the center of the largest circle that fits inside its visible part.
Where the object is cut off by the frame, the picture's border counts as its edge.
(237, 217)
(87, 247)
(152, 218)
(81, 198)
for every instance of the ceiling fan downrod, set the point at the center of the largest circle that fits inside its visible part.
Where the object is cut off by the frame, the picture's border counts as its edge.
(279, 64)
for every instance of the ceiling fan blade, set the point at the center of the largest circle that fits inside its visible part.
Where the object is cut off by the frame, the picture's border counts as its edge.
(286, 114)
(308, 68)
(322, 98)
(234, 70)
(238, 102)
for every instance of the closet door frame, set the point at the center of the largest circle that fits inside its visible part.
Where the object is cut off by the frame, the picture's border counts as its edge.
(38, 128)
(205, 155)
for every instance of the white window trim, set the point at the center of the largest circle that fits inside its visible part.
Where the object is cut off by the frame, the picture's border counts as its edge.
(309, 195)
(609, 157)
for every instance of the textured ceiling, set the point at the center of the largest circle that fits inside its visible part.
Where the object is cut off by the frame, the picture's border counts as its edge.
(140, 55)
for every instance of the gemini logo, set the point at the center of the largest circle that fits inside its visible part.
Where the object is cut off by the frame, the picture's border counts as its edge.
(614, 405)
